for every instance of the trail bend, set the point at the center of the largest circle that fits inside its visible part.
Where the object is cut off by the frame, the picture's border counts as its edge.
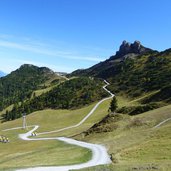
(99, 152)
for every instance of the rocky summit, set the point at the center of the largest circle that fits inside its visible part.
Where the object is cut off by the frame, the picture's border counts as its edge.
(132, 49)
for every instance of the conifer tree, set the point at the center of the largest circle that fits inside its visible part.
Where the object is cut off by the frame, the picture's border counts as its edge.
(113, 105)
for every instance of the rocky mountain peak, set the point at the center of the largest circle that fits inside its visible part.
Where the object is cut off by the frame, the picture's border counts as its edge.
(135, 48)
(125, 47)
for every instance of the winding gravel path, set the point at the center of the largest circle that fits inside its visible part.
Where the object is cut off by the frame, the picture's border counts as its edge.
(161, 123)
(99, 152)
(87, 116)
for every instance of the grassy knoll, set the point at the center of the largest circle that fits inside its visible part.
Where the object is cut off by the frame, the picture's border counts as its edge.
(134, 144)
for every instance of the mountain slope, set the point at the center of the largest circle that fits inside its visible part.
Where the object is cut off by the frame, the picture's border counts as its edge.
(19, 85)
(134, 70)
(71, 94)
(126, 50)
(133, 142)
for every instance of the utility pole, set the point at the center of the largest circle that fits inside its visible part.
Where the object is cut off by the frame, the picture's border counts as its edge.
(24, 121)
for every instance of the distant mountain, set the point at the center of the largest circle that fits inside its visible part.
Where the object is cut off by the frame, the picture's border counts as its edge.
(19, 84)
(2, 74)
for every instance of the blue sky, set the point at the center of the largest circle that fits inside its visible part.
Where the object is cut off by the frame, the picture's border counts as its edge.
(69, 34)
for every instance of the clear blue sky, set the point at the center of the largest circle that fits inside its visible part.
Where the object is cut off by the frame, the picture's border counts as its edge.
(69, 34)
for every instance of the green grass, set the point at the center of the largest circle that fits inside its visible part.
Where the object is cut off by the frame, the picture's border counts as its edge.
(9, 108)
(132, 146)
(129, 167)
(125, 101)
(138, 147)
(155, 150)
(50, 120)
(75, 116)
(41, 91)
(55, 77)
(48, 85)
(139, 99)
(21, 154)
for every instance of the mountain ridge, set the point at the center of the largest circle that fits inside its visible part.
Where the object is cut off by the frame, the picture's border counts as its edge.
(134, 70)
(126, 51)
(135, 48)
(19, 84)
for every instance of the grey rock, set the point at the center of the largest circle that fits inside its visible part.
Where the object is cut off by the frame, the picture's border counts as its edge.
(131, 48)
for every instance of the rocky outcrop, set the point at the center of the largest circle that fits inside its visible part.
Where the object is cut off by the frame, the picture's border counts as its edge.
(131, 49)
(126, 51)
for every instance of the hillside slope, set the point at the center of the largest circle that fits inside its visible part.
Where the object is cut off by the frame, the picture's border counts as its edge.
(18, 85)
(20, 154)
(133, 142)
(126, 50)
(135, 70)
(71, 94)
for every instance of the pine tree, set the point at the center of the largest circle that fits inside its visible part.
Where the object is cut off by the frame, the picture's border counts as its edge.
(113, 105)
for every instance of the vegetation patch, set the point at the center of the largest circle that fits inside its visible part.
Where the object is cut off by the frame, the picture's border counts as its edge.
(134, 110)
(19, 85)
(107, 124)
(71, 94)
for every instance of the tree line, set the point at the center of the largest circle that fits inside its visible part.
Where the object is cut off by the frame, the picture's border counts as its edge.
(71, 94)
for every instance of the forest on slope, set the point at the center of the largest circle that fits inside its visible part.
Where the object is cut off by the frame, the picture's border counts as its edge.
(70, 94)
(19, 85)
(135, 71)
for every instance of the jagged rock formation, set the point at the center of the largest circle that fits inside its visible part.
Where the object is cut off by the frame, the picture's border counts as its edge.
(126, 50)
(130, 50)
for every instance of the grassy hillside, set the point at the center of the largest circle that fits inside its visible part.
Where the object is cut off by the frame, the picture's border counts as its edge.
(141, 83)
(141, 75)
(132, 141)
(136, 74)
(19, 154)
(74, 93)
(49, 85)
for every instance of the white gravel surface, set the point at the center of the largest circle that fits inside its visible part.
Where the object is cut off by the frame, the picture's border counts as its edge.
(99, 153)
